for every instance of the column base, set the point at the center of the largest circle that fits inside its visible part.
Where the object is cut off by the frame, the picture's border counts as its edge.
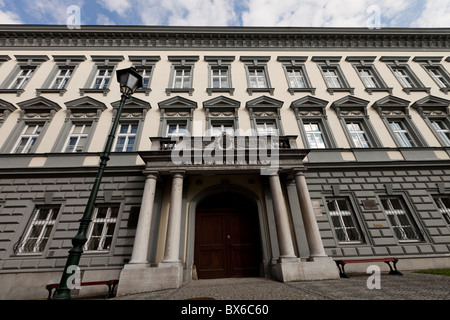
(323, 268)
(140, 278)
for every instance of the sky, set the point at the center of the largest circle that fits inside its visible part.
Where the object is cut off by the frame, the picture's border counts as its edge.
(281, 13)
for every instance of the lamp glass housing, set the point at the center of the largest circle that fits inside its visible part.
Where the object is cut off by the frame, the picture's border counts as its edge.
(130, 80)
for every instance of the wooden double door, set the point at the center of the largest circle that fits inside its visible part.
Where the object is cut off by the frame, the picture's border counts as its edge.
(227, 243)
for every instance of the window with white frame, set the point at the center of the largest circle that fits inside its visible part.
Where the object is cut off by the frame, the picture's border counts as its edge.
(102, 78)
(28, 138)
(266, 128)
(181, 78)
(358, 134)
(400, 219)
(443, 203)
(218, 128)
(296, 78)
(22, 78)
(332, 78)
(101, 229)
(442, 130)
(78, 136)
(62, 78)
(220, 78)
(176, 129)
(368, 77)
(401, 134)
(344, 222)
(38, 233)
(439, 77)
(146, 74)
(257, 77)
(403, 77)
(126, 137)
(314, 135)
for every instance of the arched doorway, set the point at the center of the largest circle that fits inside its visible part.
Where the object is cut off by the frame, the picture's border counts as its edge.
(227, 239)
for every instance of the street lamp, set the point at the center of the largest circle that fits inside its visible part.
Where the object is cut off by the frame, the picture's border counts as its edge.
(130, 80)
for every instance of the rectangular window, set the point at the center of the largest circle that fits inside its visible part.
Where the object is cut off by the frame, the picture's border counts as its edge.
(257, 78)
(101, 229)
(438, 77)
(22, 78)
(220, 78)
(182, 78)
(62, 78)
(28, 138)
(296, 78)
(403, 77)
(400, 219)
(267, 128)
(102, 79)
(314, 135)
(126, 137)
(176, 129)
(401, 134)
(146, 74)
(77, 138)
(443, 203)
(442, 131)
(357, 134)
(344, 223)
(367, 77)
(332, 78)
(38, 233)
(218, 129)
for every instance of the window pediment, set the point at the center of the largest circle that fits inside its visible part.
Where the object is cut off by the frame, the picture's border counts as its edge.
(431, 105)
(350, 106)
(391, 105)
(39, 107)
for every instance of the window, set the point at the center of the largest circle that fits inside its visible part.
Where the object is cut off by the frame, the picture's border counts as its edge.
(257, 74)
(400, 219)
(367, 77)
(357, 134)
(145, 66)
(314, 135)
(401, 134)
(176, 129)
(219, 74)
(28, 138)
(22, 78)
(295, 70)
(181, 79)
(296, 78)
(257, 78)
(38, 233)
(266, 128)
(443, 203)
(220, 78)
(62, 78)
(343, 220)
(442, 130)
(77, 138)
(437, 72)
(217, 129)
(403, 77)
(439, 77)
(101, 229)
(331, 78)
(126, 137)
(372, 80)
(404, 74)
(146, 74)
(332, 74)
(102, 79)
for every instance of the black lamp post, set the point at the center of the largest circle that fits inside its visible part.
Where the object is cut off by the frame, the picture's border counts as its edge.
(130, 80)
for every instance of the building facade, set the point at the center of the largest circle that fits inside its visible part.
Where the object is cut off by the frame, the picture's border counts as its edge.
(248, 152)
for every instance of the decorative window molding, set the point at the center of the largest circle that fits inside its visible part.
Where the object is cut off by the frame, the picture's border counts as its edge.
(4, 58)
(6, 108)
(296, 75)
(435, 112)
(219, 74)
(102, 74)
(266, 111)
(352, 113)
(36, 113)
(404, 74)
(221, 111)
(176, 110)
(102, 229)
(145, 65)
(61, 74)
(437, 72)
(181, 74)
(257, 74)
(310, 112)
(395, 115)
(25, 69)
(332, 74)
(85, 110)
(369, 75)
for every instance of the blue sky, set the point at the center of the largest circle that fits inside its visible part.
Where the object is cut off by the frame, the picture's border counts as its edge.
(292, 13)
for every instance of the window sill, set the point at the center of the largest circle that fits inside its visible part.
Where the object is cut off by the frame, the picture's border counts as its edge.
(175, 90)
(409, 90)
(89, 90)
(60, 91)
(270, 90)
(211, 90)
(12, 91)
(370, 90)
(146, 91)
(445, 90)
(293, 90)
(333, 90)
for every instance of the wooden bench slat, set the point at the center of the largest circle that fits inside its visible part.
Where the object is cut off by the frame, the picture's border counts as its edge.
(110, 283)
(342, 262)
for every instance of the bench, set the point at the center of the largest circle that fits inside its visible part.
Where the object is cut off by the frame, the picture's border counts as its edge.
(341, 263)
(110, 283)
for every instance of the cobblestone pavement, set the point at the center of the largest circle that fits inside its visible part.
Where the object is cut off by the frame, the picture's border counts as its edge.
(410, 286)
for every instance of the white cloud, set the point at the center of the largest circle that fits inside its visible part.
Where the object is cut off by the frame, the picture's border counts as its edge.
(436, 13)
(8, 17)
(104, 20)
(50, 11)
(118, 6)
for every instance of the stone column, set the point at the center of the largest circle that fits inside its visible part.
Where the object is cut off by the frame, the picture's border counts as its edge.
(281, 220)
(141, 240)
(172, 249)
(315, 244)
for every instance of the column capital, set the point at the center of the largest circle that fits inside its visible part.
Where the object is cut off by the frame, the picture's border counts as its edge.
(151, 174)
(179, 173)
(300, 171)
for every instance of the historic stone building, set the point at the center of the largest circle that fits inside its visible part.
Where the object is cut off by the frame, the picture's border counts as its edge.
(264, 152)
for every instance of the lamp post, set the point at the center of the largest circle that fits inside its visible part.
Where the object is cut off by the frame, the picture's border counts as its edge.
(130, 80)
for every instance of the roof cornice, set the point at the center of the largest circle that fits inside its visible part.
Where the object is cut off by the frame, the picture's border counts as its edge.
(221, 38)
